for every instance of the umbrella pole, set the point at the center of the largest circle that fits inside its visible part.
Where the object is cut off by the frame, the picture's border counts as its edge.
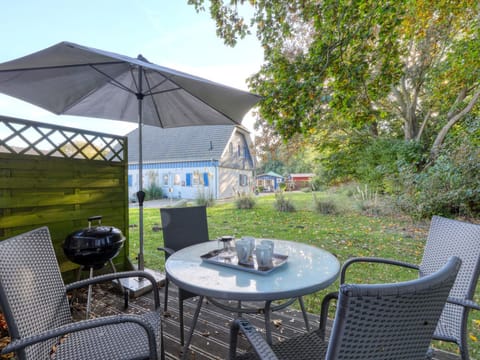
(140, 193)
(139, 286)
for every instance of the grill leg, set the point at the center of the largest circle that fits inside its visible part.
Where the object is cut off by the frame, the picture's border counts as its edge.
(89, 297)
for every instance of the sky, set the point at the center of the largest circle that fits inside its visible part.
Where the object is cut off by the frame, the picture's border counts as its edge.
(167, 32)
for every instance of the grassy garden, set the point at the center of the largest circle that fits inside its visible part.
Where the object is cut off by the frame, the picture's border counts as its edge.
(340, 222)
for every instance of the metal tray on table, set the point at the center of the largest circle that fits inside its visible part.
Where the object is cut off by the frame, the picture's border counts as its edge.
(215, 257)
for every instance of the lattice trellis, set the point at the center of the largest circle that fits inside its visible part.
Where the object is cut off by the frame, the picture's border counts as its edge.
(33, 138)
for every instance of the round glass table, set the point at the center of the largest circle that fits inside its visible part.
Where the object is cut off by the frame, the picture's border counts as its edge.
(307, 269)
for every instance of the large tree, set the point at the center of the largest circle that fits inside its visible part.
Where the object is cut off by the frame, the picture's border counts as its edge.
(406, 69)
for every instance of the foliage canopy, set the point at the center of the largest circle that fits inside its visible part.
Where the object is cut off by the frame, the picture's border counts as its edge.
(376, 83)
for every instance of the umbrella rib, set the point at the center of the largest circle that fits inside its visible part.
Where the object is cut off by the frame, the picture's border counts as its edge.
(153, 101)
(151, 93)
(163, 91)
(113, 81)
(61, 66)
(204, 102)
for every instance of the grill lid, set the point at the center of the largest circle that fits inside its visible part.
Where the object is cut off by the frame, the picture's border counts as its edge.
(93, 246)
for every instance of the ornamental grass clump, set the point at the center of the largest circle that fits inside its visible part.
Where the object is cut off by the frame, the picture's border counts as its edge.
(205, 199)
(283, 204)
(325, 206)
(245, 201)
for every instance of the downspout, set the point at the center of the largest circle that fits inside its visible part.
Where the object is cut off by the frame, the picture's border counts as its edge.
(217, 181)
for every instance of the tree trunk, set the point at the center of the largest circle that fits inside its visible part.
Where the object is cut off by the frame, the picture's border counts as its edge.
(437, 144)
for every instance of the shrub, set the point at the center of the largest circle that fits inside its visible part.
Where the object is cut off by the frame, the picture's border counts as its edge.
(245, 201)
(206, 199)
(326, 207)
(282, 203)
(317, 183)
(448, 187)
(153, 192)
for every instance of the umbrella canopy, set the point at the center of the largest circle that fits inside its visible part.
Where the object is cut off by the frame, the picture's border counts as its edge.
(72, 79)
(76, 80)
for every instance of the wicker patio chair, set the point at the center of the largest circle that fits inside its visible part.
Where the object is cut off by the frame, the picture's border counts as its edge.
(372, 322)
(447, 238)
(182, 227)
(34, 300)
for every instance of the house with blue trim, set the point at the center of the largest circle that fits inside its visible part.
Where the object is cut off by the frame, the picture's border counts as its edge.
(269, 182)
(188, 162)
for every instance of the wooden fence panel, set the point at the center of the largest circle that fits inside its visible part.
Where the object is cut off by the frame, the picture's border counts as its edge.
(61, 188)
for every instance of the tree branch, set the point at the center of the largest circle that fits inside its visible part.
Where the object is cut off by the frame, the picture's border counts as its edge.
(443, 133)
(461, 96)
(422, 127)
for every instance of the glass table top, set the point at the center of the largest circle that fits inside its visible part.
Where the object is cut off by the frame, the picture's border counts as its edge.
(307, 270)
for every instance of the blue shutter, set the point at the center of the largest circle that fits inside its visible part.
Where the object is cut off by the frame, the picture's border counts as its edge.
(205, 179)
(130, 180)
(189, 179)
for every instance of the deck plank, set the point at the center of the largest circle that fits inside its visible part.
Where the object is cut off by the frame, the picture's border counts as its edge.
(211, 336)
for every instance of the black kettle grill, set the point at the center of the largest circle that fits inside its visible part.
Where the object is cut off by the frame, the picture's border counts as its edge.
(92, 247)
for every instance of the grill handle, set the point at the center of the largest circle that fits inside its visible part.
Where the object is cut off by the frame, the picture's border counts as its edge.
(93, 218)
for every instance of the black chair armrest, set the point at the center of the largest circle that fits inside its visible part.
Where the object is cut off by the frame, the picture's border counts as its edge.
(373, 260)
(168, 251)
(16, 345)
(257, 341)
(464, 302)
(118, 275)
(324, 311)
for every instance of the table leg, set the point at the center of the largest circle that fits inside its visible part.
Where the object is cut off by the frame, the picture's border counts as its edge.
(304, 312)
(268, 329)
(192, 328)
(239, 307)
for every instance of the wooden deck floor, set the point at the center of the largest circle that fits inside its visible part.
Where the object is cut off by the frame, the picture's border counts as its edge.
(211, 337)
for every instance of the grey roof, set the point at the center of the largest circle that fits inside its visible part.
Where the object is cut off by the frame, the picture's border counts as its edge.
(180, 144)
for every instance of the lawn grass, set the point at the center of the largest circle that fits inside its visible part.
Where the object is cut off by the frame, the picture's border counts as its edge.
(346, 234)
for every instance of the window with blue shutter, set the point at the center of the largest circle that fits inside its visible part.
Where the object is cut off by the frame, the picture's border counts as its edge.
(189, 179)
(205, 179)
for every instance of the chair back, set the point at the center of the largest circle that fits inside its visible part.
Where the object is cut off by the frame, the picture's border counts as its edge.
(184, 226)
(390, 321)
(32, 291)
(448, 238)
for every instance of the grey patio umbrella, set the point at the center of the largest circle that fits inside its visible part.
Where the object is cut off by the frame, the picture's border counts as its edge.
(72, 79)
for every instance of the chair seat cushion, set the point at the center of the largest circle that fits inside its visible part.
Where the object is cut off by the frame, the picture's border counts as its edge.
(110, 342)
(304, 347)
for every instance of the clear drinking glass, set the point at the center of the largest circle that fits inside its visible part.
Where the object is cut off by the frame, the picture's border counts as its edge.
(227, 250)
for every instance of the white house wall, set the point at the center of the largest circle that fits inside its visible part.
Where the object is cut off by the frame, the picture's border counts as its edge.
(236, 167)
(173, 179)
(231, 183)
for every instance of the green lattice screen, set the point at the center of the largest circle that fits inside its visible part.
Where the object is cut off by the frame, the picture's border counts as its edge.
(31, 138)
